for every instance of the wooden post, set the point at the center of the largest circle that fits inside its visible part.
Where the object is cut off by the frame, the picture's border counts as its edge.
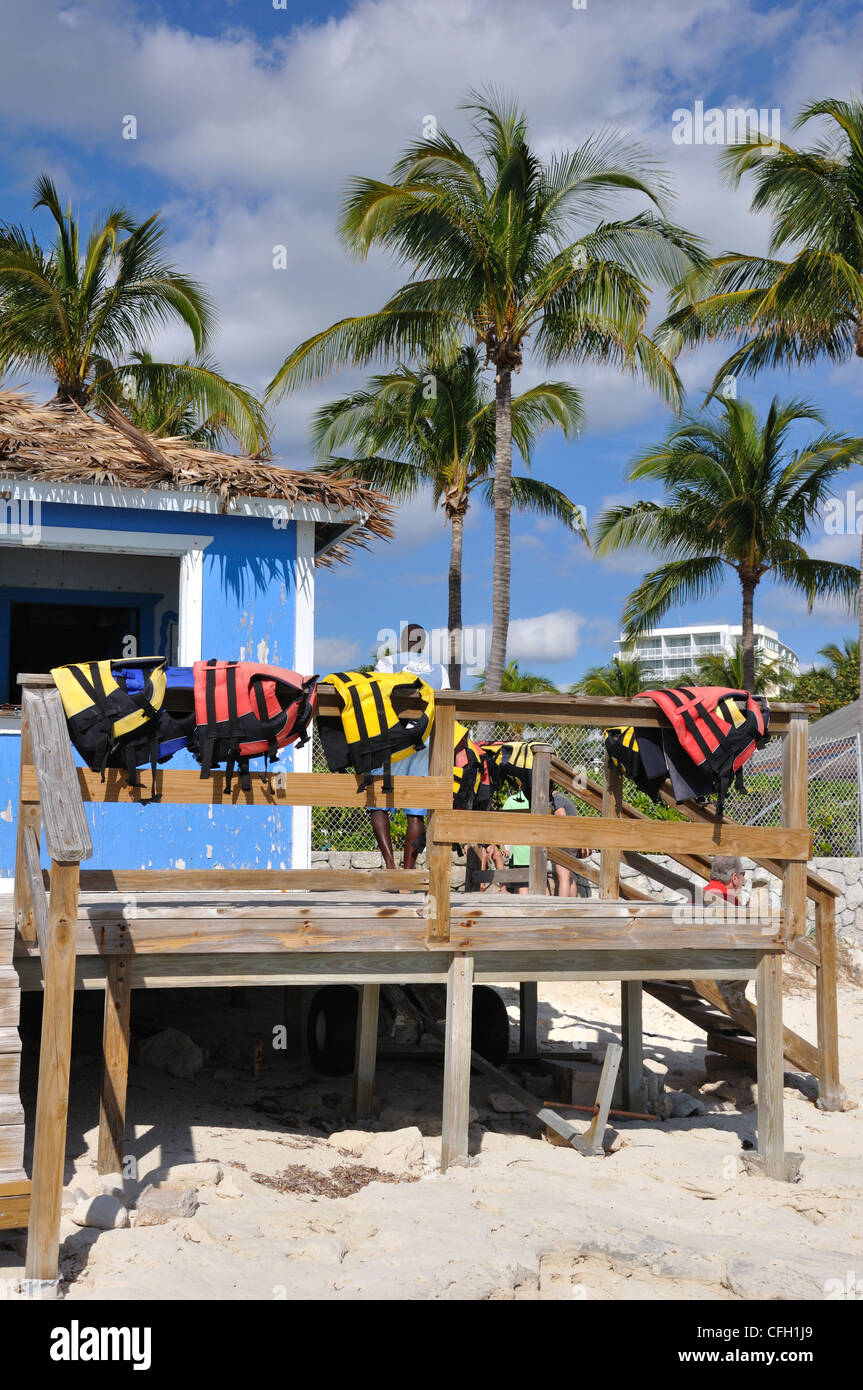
(367, 1046)
(609, 859)
(115, 1064)
(829, 1088)
(537, 883)
(770, 1062)
(456, 1066)
(29, 818)
(632, 1038)
(439, 856)
(540, 778)
(52, 1101)
(795, 794)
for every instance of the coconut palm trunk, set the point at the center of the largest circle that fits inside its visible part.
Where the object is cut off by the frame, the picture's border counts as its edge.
(454, 617)
(747, 639)
(502, 534)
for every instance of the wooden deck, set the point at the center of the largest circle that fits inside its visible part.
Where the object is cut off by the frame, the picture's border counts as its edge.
(117, 930)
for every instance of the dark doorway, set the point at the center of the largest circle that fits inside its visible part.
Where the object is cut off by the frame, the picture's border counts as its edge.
(42, 635)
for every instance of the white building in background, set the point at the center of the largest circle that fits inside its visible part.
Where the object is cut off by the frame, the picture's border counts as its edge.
(671, 652)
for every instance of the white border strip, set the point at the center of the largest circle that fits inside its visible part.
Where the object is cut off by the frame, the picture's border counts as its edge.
(304, 656)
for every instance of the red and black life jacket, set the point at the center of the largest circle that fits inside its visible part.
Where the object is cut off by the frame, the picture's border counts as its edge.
(714, 731)
(245, 711)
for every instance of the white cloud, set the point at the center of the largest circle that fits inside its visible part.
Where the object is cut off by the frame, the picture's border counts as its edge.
(549, 637)
(336, 653)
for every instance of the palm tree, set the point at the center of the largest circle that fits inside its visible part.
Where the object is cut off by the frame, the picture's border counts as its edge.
(624, 676)
(724, 668)
(737, 498)
(791, 312)
(514, 681)
(434, 426)
(84, 318)
(505, 247)
(843, 661)
(174, 400)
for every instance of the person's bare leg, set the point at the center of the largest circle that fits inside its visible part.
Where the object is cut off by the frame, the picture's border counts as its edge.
(381, 827)
(565, 882)
(413, 839)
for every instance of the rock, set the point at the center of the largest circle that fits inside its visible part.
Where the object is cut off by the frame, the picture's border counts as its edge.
(171, 1051)
(229, 1187)
(366, 859)
(392, 1118)
(678, 1105)
(156, 1206)
(340, 859)
(104, 1212)
(398, 1152)
(185, 1175)
(351, 1141)
(72, 1196)
(505, 1104)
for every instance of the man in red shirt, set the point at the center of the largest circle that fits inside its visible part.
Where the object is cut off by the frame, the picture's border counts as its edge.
(726, 879)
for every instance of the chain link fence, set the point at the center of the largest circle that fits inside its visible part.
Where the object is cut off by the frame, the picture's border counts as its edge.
(834, 791)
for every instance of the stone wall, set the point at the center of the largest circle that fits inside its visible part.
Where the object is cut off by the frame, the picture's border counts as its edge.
(846, 874)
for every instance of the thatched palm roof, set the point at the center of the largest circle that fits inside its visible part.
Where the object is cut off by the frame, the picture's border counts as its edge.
(61, 443)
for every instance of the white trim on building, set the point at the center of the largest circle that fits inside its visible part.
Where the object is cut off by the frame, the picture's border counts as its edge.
(304, 657)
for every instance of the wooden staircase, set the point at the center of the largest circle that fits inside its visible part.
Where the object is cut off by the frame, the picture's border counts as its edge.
(14, 1184)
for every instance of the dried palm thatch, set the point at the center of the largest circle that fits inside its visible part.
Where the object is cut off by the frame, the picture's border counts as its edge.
(61, 443)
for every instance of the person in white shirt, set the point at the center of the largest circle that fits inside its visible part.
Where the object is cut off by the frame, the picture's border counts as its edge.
(412, 658)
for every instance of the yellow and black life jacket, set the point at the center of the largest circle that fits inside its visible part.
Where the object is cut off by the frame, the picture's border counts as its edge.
(112, 726)
(370, 732)
(510, 763)
(470, 771)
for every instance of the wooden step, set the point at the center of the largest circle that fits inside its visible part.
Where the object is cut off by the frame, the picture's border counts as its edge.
(14, 1200)
(10, 997)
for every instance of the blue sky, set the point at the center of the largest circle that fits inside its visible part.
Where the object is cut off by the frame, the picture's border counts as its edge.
(250, 120)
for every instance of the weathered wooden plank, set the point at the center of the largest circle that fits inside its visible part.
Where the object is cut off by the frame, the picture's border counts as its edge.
(29, 818)
(14, 1212)
(795, 794)
(604, 1095)
(438, 858)
(32, 871)
(235, 880)
(829, 1087)
(632, 1038)
(803, 948)
(367, 1048)
(11, 1146)
(664, 837)
(603, 712)
(609, 856)
(538, 878)
(10, 997)
(457, 1060)
(527, 1018)
(650, 868)
(52, 779)
(115, 1065)
(771, 1068)
(270, 789)
(54, 1057)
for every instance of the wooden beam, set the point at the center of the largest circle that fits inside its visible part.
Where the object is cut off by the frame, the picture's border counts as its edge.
(651, 869)
(771, 1067)
(256, 880)
(366, 1053)
(52, 1098)
(602, 712)
(457, 1060)
(829, 1087)
(29, 818)
(632, 1038)
(52, 779)
(538, 879)
(528, 1043)
(115, 1065)
(795, 793)
(609, 855)
(662, 837)
(438, 853)
(267, 789)
(32, 873)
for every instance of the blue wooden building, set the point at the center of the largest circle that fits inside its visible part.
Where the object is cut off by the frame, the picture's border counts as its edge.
(115, 543)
